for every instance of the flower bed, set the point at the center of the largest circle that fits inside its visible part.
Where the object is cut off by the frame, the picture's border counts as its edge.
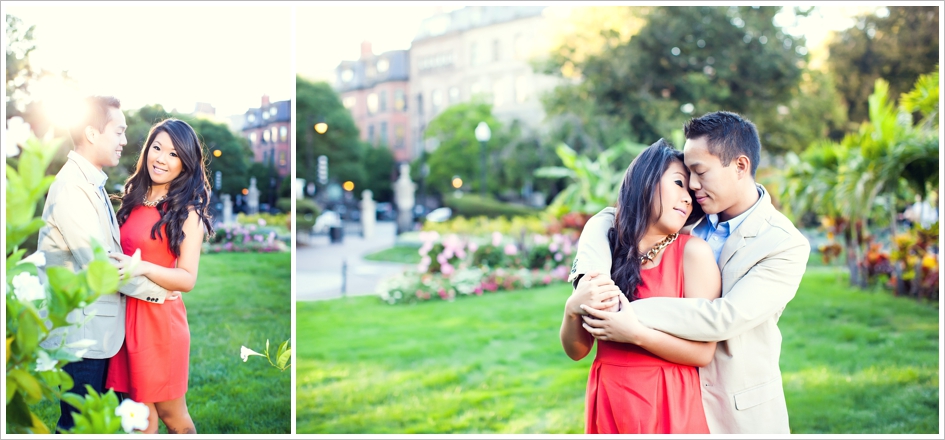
(245, 238)
(452, 265)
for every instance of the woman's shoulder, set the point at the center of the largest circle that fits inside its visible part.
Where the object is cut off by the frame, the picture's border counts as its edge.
(696, 249)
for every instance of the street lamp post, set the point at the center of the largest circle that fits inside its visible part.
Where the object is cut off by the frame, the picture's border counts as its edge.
(482, 135)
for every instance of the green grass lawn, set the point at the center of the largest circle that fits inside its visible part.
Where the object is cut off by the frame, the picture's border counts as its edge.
(853, 362)
(239, 299)
(397, 254)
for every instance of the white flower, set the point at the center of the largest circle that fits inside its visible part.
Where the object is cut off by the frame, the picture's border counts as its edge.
(44, 362)
(27, 287)
(18, 132)
(37, 258)
(133, 415)
(245, 353)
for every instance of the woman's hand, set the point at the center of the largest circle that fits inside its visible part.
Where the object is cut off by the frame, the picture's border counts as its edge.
(623, 326)
(125, 263)
(594, 291)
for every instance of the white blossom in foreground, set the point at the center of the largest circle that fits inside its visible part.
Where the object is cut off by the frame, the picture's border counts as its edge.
(245, 353)
(27, 287)
(133, 415)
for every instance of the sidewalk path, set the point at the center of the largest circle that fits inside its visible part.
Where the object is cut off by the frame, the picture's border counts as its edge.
(319, 264)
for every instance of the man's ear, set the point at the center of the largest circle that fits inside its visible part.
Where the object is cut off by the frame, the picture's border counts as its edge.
(743, 166)
(90, 134)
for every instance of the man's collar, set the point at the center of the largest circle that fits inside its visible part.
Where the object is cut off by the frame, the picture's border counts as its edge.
(734, 222)
(94, 175)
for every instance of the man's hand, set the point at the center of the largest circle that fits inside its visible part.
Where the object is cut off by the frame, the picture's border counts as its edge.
(595, 291)
(622, 326)
(124, 264)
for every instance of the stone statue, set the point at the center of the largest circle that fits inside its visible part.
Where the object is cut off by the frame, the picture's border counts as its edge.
(368, 214)
(252, 198)
(404, 190)
(227, 210)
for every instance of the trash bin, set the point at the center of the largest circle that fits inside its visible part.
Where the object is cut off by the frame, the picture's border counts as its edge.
(335, 234)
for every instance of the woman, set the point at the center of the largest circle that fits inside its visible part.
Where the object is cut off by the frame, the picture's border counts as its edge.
(164, 213)
(653, 387)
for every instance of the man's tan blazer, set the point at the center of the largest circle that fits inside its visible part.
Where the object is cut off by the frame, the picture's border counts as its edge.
(76, 212)
(762, 263)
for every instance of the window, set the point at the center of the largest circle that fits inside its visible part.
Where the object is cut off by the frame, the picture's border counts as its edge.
(521, 89)
(265, 136)
(251, 118)
(349, 102)
(266, 114)
(437, 99)
(383, 65)
(399, 131)
(273, 111)
(400, 104)
(282, 158)
(372, 103)
(383, 136)
(274, 136)
(499, 92)
(473, 54)
(283, 133)
(420, 103)
(495, 50)
(382, 101)
(252, 139)
(454, 95)
(347, 75)
(370, 133)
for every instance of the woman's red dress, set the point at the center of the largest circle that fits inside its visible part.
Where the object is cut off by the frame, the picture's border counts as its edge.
(153, 363)
(630, 390)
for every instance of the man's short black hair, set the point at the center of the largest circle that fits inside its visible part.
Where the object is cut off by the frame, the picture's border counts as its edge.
(728, 136)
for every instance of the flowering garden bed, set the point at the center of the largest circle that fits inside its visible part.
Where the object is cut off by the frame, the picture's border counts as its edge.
(453, 265)
(246, 238)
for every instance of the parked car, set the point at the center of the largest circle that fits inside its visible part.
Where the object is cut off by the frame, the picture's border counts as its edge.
(440, 215)
(385, 212)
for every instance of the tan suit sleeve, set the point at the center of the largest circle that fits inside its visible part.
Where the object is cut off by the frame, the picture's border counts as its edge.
(143, 288)
(593, 250)
(764, 290)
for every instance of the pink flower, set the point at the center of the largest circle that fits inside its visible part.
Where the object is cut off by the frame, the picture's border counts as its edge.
(539, 239)
(553, 247)
(442, 293)
(447, 269)
(496, 238)
(567, 247)
(511, 249)
(440, 258)
(473, 246)
(558, 256)
(546, 279)
(478, 291)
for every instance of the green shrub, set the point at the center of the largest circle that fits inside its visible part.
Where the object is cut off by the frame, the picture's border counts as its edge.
(306, 211)
(470, 205)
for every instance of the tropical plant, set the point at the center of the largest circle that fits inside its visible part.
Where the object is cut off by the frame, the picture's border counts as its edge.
(857, 182)
(594, 183)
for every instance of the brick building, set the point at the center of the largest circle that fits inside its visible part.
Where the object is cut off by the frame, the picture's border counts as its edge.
(269, 130)
(375, 90)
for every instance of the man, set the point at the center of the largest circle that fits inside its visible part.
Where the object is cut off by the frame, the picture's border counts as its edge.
(762, 257)
(77, 210)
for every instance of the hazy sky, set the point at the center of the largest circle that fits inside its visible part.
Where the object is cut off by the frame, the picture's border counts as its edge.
(173, 54)
(329, 34)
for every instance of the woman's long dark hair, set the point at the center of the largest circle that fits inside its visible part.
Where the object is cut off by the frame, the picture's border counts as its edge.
(189, 190)
(634, 212)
